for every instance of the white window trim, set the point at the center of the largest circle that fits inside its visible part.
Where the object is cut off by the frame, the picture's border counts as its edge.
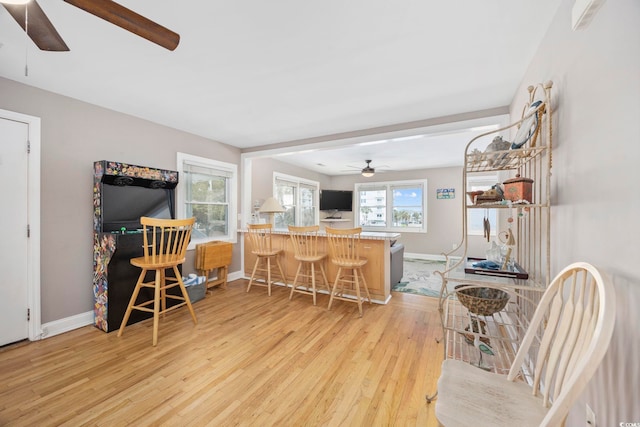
(298, 180)
(233, 193)
(389, 206)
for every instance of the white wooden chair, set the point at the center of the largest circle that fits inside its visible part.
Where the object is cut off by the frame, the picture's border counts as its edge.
(578, 309)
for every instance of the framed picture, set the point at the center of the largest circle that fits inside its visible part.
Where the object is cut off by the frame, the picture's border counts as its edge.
(446, 193)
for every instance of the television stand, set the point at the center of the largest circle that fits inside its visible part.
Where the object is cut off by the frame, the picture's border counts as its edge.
(334, 215)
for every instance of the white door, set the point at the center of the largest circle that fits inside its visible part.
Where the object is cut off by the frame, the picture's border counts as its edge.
(14, 325)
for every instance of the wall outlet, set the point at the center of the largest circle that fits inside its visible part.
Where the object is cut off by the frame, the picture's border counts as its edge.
(591, 417)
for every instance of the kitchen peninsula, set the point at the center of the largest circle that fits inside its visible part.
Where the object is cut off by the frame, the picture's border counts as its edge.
(375, 246)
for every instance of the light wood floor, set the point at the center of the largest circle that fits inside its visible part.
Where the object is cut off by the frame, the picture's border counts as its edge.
(252, 360)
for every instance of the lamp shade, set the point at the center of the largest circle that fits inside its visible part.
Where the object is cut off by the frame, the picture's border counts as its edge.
(271, 205)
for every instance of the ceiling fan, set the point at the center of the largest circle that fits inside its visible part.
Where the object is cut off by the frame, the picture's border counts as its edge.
(368, 171)
(39, 28)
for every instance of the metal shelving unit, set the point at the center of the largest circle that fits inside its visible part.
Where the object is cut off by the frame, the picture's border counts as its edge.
(503, 330)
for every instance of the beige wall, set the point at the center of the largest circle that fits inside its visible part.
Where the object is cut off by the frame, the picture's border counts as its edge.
(262, 177)
(444, 217)
(74, 135)
(596, 75)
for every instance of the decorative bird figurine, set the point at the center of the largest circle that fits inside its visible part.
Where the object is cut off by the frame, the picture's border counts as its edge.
(484, 348)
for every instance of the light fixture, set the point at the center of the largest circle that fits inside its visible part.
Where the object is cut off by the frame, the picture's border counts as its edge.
(368, 171)
(271, 206)
(15, 1)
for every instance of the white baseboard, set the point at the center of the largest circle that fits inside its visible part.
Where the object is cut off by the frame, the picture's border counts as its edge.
(428, 257)
(235, 276)
(67, 324)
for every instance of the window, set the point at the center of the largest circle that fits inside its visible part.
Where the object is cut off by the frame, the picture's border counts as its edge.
(299, 198)
(475, 217)
(392, 206)
(207, 190)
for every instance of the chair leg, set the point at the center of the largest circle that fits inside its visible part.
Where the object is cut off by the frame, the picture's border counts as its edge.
(163, 292)
(357, 285)
(156, 305)
(269, 276)
(185, 295)
(335, 286)
(313, 281)
(324, 276)
(132, 302)
(295, 280)
(366, 288)
(284, 279)
(253, 273)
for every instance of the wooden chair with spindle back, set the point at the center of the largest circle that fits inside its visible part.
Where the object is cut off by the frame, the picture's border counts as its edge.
(165, 243)
(344, 250)
(305, 247)
(259, 236)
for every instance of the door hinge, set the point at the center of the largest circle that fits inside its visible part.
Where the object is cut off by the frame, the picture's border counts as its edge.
(28, 231)
(28, 314)
(28, 147)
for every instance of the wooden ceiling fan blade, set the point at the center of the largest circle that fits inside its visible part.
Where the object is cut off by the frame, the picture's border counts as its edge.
(129, 20)
(40, 29)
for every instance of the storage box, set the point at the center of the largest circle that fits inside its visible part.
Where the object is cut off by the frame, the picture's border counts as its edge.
(196, 292)
(518, 188)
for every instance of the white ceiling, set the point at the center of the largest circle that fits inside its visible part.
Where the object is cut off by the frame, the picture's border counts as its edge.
(252, 72)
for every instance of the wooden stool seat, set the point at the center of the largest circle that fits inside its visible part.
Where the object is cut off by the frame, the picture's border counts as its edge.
(344, 247)
(305, 246)
(260, 239)
(165, 246)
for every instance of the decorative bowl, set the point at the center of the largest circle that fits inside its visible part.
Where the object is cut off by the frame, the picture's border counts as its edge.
(482, 301)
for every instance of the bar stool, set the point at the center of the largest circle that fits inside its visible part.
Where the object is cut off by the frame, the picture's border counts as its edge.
(344, 248)
(260, 240)
(165, 244)
(305, 246)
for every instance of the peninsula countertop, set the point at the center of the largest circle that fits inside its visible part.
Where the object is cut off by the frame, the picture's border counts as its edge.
(375, 246)
(370, 235)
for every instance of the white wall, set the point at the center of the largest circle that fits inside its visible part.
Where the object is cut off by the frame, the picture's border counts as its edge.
(74, 135)
(595, 212)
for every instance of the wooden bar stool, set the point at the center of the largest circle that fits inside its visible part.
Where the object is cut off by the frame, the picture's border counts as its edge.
(261, 246)
(165, 245)
(305, 246)
(344, 250)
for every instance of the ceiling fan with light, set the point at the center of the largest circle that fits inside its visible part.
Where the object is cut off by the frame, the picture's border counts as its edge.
(39, 28)
(368, 171)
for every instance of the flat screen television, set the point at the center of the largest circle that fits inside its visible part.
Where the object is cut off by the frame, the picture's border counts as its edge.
(125, 201)
(336, 200)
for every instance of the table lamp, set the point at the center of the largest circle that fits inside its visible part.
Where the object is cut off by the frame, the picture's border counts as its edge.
(271, 206)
